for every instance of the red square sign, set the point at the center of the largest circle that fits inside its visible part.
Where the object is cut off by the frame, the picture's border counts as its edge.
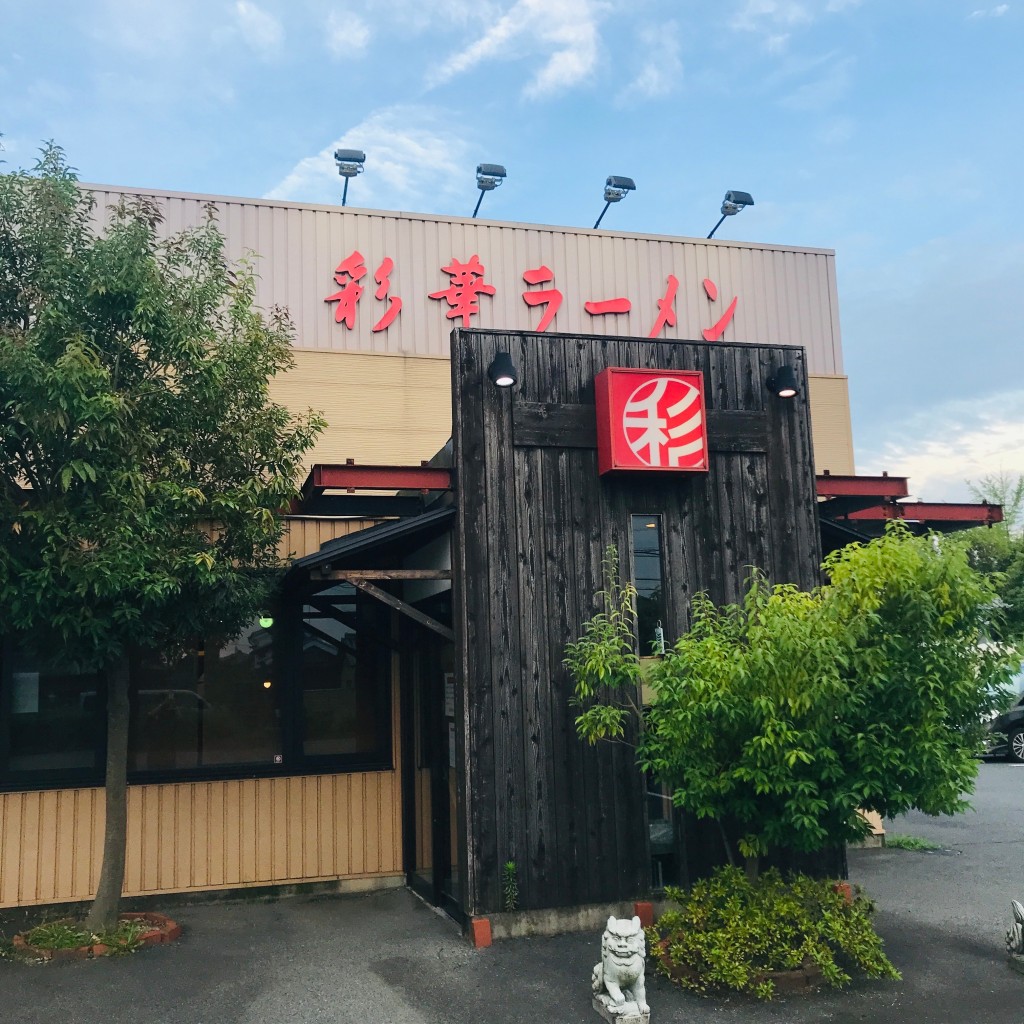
(651, 420)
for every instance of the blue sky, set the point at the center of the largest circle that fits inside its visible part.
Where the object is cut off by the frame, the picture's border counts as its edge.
(889, 130)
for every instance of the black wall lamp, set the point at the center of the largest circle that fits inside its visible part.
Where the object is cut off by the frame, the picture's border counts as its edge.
(502, 371)
(488, 178)
(615, 189)
(783, 382)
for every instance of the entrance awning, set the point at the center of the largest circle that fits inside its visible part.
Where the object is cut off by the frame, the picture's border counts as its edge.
(374, 556)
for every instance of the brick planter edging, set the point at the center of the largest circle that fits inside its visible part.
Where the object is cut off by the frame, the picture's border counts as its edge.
(797, 981)
(162, 929)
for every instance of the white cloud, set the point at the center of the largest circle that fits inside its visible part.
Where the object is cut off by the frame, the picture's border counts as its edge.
(414, 161)
(774, 20)
(152, 28)
(262, 31)
(566, 27)
(837, 131)
(663, 67)
(823, 91)
(415, 16)
(942, 447)
(756, 15)
(992, 12)
(347, 33)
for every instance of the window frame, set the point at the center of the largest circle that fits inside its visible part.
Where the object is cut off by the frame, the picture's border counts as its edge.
(659, 518)
(286, 674)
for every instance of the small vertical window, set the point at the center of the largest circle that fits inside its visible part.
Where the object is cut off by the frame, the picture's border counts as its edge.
(648, 578)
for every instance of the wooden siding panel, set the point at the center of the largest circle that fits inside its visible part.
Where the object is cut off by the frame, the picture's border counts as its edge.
(304, 536)
(358, 812)
(216, 835)
(30, 847)
(11, 848)
(570, 815)
(203, 835)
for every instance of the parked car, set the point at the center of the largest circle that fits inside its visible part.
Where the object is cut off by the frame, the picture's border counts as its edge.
(1007, 733)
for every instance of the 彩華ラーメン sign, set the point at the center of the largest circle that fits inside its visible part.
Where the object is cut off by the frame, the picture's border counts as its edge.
(650, 420)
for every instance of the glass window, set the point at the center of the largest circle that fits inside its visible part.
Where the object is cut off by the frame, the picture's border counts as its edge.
(648, 580)
(55, 718)
(263, 703)
(216, 705)
(663, 820)
(345, 675)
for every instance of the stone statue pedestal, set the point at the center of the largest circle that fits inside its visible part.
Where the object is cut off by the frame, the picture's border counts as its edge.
(1016, 961)
(624, 1013)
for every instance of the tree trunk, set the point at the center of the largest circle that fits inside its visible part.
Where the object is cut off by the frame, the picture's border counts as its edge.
(752, 869)
(103, 913)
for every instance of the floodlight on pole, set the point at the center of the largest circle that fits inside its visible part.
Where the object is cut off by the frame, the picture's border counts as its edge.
(350, 163)
(731, 205)
(614, 189)
(488, 178)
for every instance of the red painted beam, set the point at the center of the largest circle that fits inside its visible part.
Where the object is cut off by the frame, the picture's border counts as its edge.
(379, 478)
(861, 486)
(930, 511)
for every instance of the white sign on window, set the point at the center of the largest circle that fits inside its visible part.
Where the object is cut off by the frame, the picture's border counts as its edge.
(25, 695)
(449, 695)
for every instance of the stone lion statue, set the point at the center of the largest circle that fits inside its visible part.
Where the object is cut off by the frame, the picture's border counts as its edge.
(619, 978)
(1015, 936)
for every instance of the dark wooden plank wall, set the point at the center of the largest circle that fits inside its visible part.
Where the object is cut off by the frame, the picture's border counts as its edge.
(534, 520)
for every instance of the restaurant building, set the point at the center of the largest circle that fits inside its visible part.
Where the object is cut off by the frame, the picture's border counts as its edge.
(402, 716)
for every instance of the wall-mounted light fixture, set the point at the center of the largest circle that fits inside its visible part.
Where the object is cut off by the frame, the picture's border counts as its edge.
(783, 382)
(266, 620)
(731, 205)
(614, 189)
(502, 371)
(350, 163)
(488, 178)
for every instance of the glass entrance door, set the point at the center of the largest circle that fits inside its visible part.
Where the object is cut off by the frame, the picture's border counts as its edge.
(431, 760)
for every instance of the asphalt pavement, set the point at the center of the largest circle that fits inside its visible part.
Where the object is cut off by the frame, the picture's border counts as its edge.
(389, 958)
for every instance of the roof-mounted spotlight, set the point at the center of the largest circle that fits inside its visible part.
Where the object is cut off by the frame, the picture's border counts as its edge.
(350, 163)
(488, 178)
(614, 189)
(731, 205)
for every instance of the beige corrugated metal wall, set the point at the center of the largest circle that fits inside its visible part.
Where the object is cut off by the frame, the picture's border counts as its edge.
(830, 424)
(397, 409)
(303, 536)
(786, 295)
(394, 410)
(203, 835)
(384, 410)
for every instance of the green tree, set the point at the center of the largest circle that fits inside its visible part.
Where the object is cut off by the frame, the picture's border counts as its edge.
(999, 550)
(1007, 490)
(781, 716)
(142, 462)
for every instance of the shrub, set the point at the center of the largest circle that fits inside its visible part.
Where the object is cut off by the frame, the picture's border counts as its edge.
(783, 715)
(729, 932)
(124, 938)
